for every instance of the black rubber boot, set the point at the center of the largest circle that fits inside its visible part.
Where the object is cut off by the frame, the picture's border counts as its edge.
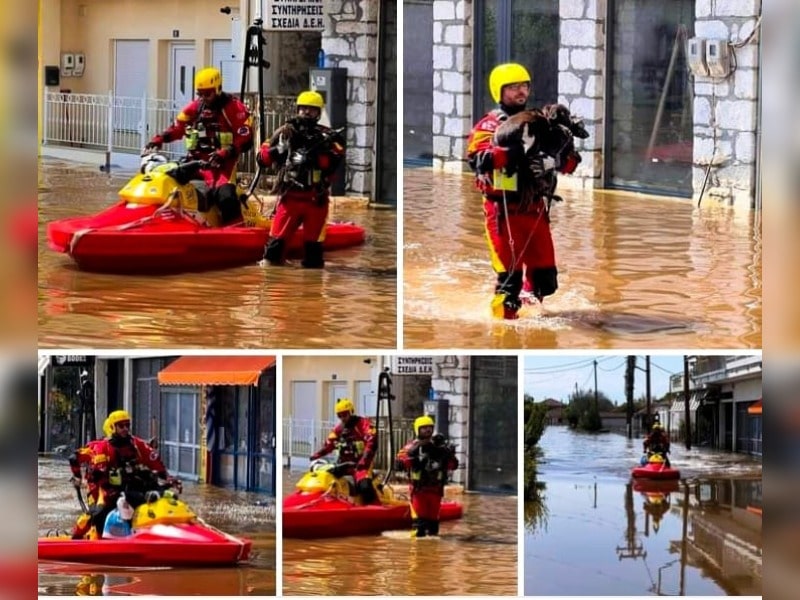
(273, 253)
(313, 256)
(433, 527)
(366, 491)
(418, 528)
(229, 206)
(545, 282)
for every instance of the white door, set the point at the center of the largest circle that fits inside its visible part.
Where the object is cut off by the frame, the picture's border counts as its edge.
(229, 65)
(130, 84)
(365, 399)
(182, 73)
(303, 434)
(336, 391)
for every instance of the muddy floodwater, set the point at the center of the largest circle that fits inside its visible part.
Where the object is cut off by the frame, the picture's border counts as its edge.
(352, 303)
(476, 555)
(238, 513)
(593, 531)
(634, 272)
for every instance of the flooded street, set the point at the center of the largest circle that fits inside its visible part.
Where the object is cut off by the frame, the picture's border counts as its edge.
(350, 304)
(633, 272)
(474, 555)
(596, 533)
(233, 512)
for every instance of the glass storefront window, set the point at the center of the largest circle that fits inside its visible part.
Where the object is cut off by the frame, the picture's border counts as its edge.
(519, 31)
(651, 111)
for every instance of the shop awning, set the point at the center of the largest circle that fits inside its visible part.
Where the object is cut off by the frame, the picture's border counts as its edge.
(755, 408)
(215, 370)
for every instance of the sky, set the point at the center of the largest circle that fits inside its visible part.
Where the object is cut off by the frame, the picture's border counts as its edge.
(555, 377)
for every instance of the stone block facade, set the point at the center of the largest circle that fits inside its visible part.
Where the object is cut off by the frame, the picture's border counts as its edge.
(350, 41)
(725, 110)
(450, 381)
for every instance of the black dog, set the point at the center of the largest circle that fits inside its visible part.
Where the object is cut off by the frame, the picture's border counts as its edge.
(537, 133)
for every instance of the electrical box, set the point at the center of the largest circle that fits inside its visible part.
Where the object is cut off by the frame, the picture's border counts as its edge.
(52, 75)
(718, 58)
(332, 85)
(67, 64)
(696, 56)
(80, 63)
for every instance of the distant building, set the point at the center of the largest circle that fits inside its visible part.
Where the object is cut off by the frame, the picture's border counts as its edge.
(555, 412)
(725, 403)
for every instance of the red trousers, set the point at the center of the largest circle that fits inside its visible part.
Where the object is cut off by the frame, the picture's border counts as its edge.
(425, 503)
(294, 210)
(519, 238)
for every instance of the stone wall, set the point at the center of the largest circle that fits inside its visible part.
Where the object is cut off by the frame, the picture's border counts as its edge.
(350, 41)
(452, 82)
(450, 381)
(581, 81)
(726, 110)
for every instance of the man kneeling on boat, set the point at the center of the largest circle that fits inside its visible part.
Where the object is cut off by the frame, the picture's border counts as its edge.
(120, 464)
(427, 459)
(657, 443)
(354, 438)
(217, 129)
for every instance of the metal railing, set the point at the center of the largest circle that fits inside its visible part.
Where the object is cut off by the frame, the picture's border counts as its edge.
(302, 437)
(110, 123)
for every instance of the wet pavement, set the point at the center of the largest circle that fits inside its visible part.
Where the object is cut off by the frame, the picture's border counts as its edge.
(233, 512)
(352, 303)
(594, 532)
(634, 272)
(476, 555)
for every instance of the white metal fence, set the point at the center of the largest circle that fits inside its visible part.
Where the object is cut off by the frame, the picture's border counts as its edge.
(302, 437)
(125, 124)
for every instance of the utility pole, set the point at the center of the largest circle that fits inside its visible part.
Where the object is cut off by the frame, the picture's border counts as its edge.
(647, 385)
(687, 413)
(629, 379)
(596, 409)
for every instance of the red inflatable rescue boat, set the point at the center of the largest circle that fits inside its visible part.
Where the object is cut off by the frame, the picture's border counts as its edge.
(323, 507)
(184, 545)
(158, 227)
(655, 468)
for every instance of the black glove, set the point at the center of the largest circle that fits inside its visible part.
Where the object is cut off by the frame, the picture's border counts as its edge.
(515, 156)
(542, 165)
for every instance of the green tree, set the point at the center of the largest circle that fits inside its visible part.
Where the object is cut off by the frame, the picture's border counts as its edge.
(535, 422)
(582, 411)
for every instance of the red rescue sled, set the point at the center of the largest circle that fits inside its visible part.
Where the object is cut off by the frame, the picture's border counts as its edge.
(184, 545)
(322, 507)
(128, 238)
(655, 468)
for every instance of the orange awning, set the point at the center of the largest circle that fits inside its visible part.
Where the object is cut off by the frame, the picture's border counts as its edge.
(215, 370)
(754, 409)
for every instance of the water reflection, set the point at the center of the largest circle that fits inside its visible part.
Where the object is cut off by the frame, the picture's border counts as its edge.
(634, 271)
(352, 303)
(238, 513)
(476, 555)
(605, 534)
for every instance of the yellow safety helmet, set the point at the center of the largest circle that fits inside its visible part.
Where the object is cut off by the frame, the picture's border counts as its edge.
(423, 421)
(657, 426)
(208, 79)
(310, 98)
(108, 428)
(345, 405)
(118, 416)
(506, 74)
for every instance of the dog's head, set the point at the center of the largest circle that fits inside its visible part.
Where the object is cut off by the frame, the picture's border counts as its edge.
(561, 115)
